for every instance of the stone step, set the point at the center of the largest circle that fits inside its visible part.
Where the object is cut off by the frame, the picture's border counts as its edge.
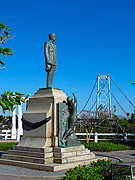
(48, 167)
(27, 165)
(31, 149)
(83, 152)
(71, 154)
(28, 159)
(31, 154)
(68, 149)
(74, 158)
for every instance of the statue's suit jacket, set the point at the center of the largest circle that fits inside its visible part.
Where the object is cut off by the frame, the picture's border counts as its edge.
(50, 53)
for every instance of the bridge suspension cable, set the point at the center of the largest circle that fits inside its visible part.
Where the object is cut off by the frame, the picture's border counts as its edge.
(114, 98)
(123, 94)
(89, 97)
(99, 95)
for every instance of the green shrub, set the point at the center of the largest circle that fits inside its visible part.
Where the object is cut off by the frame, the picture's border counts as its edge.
(104, 168)
(100, 170)
(106, 146)
(129, 143)
(83, 173)
(6, 146)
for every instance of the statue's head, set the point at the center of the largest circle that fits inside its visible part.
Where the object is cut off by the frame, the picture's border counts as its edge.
(69, 99)
(52, 36)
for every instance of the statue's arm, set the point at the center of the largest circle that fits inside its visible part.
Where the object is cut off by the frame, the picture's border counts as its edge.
(46, 52)
(75, 99)
(75, 104)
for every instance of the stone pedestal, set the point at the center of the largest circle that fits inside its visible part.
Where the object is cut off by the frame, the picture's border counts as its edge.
(42, 105)
(38, 148)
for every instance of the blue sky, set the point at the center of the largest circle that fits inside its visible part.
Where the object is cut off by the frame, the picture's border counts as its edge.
(93, 37)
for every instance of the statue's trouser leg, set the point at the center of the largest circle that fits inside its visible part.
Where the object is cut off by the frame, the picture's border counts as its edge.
(50, 77)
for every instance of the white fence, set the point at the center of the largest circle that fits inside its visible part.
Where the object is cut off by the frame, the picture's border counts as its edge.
(5, 134)
(96, 136)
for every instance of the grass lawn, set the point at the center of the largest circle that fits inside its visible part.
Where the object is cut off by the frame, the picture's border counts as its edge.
(7, 145)
(106, 146)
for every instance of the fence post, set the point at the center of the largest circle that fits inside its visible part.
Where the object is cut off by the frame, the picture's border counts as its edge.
(20, 129)
(125, 137)
(95, 137)
(13, 135)
(6, 135)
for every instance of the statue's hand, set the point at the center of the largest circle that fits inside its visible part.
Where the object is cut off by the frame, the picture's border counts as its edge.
(48, 67)
(73, 94)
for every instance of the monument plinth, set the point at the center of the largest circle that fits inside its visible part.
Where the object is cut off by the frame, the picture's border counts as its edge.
(43, 104)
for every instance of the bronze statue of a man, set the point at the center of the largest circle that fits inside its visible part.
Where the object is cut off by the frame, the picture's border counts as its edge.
(50, 58)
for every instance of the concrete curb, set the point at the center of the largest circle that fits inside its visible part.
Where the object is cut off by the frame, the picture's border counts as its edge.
(111, 157)
(31, 176)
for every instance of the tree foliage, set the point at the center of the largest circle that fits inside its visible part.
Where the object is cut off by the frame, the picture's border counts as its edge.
(8, 99)
(5, 122)
(4, 35)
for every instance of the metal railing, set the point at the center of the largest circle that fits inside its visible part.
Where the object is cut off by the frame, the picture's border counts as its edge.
(116, 135)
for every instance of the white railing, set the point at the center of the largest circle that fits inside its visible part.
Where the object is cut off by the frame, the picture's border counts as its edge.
(5, 134)
(125, 136)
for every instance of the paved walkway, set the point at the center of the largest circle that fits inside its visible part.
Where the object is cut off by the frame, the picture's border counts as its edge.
(126, 156)
(27, 178)
(18, 173)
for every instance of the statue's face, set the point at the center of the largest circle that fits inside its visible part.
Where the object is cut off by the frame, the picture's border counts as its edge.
(52, 36)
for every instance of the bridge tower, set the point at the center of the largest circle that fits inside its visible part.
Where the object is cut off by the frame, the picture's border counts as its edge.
(104, 94)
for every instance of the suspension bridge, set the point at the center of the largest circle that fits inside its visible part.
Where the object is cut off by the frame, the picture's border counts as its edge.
(101, 103)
